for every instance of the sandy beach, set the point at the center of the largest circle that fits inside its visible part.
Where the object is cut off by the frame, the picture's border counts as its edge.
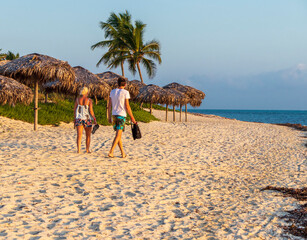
(195, 180)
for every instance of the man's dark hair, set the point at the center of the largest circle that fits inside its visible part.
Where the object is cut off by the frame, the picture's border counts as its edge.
(121, 81)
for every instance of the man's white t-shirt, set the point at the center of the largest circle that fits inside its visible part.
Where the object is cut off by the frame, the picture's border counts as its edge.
(118, 97)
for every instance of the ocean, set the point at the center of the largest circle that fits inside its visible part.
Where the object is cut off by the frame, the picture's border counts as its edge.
(264, 116)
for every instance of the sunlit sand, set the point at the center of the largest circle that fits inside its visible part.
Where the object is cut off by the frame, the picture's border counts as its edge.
(198, 179)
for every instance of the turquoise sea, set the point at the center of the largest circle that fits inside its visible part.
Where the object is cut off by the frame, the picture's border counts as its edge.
(264, 116)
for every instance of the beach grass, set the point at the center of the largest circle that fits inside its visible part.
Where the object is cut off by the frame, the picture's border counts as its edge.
(62, 111)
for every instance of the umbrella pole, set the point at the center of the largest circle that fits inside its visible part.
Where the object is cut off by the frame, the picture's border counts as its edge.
(108, 108)
(46, 97)
(180, 112)
(35, 105)
(174, 114)
(151, 108)
(166, 116)
(186, 113)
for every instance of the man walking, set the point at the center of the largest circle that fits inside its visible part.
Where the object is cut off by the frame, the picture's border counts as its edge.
(119, 102)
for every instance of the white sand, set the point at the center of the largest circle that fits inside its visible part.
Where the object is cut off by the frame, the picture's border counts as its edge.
(196, 180)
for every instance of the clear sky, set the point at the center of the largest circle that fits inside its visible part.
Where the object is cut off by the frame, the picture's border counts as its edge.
(242, 54)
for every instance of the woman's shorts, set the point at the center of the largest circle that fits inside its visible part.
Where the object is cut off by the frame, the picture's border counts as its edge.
(119, 123)
(85, 123)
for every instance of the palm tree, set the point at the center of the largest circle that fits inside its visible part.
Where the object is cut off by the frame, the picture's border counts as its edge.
(114, 27)
(137, 52)
(11, 56)
(2, 55)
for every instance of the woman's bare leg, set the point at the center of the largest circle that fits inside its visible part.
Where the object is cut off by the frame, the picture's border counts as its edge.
(116, 140)
(79, 137)
(88, 132)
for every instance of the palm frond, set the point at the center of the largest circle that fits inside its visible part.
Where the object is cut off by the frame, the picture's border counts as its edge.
(102, 44)
(154, 55)
(150, 67)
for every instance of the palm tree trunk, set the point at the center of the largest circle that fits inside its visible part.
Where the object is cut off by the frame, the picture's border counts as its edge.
(122, 66)
(180, 112)
(186, 113)
(174, 114)
(35, 105)
(46, 97)
(166, 116)
(139, 69)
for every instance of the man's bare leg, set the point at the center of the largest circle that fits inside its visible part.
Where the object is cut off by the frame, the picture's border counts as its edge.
(115, 142)
(120, 145)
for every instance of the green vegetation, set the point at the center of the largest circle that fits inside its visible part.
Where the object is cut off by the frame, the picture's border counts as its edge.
(11, 56)
(126, 43)
(8, 56)
(62, 111)
(2, 55)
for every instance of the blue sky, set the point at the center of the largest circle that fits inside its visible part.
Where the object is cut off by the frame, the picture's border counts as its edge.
(240, 53)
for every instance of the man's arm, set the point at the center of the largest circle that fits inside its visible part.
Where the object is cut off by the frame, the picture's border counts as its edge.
(127, 105)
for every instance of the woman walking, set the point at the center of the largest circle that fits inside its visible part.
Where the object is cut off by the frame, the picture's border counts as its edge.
(84, 117)
(119, 103)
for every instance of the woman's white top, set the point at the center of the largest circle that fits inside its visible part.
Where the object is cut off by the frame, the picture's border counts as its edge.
(82, 112)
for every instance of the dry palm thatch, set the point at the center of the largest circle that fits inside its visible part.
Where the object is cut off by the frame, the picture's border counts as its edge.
(35, 69)
(179, 99)
(12, 92)
(195, 96)
(109, 75)
(4, 62)
(154, 94)
(97, 87)
(132, 86)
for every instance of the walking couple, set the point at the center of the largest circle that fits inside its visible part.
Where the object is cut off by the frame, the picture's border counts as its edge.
(84, 115)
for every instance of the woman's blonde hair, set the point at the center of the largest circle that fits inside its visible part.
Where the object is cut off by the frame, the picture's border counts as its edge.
(84, 91)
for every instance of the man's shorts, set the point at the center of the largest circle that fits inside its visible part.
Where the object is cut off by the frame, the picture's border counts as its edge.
(119, 123)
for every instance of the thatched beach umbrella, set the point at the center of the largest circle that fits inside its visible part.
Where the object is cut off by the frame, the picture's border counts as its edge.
(12, 92)
(109, 75)
(133, 86)
(195, 96)
(4, 62)
(179, 99)
(154, 94)
(97, 87)
(36, 69)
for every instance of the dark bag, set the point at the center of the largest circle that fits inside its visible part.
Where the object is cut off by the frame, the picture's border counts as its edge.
(136, 132)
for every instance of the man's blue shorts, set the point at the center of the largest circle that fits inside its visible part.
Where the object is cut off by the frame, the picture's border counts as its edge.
(119, 122)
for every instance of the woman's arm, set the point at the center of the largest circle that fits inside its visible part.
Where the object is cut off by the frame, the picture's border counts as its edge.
(91, 110)
(129, 111)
